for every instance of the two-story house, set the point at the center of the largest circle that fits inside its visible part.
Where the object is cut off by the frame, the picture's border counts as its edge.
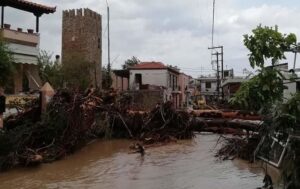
(24, 44)
(147, 75)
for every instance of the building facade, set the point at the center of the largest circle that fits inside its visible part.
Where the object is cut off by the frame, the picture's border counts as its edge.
(207, 86)
(24, 45)
(82, 37)
(146, 75)
(231, 86)
(186, 90)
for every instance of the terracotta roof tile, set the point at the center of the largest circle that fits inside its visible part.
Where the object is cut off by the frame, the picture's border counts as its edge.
(150, 65)
(28, 6)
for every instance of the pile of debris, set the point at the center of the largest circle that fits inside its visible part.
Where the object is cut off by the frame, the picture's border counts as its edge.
(162, 124)
(237, 147)
(73, 118)
(29, 138)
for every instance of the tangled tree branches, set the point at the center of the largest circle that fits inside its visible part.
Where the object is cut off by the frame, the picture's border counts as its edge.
(237, 147)
(73, 118)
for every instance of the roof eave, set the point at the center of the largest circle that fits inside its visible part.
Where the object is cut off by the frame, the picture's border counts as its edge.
(28, 6)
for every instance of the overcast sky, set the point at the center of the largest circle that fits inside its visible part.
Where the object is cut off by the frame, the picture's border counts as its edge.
(175, 32)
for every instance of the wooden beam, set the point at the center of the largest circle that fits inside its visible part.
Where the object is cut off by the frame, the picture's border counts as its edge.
(37, 24)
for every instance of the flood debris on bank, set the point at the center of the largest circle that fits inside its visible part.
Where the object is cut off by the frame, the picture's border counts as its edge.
(74, 118)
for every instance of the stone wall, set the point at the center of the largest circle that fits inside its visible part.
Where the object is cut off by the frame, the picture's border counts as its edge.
(145, 99)
(81, 36)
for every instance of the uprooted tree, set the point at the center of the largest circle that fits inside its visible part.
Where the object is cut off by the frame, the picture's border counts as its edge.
(264, 93)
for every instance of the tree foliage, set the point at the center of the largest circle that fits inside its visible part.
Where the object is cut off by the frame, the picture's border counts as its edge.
(6, 64)
(267, 43)
(266, 88)
(131, 62)
(261, 91)
(265, 91)
(75, 71)
(49, 70)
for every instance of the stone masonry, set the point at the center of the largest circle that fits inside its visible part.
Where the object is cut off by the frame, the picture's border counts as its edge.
(81, 35)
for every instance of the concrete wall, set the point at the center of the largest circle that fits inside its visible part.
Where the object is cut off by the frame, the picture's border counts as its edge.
(146, 99)
(82, 36)
(183, 83)
(158, 77)
(119, 83)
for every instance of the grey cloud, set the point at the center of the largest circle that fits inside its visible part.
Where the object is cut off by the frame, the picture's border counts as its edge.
(176, 32)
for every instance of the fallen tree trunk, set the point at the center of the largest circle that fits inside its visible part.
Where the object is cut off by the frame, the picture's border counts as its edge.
(201, 124)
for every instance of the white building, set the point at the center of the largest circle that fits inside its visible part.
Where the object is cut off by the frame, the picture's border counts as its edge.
(148, 75)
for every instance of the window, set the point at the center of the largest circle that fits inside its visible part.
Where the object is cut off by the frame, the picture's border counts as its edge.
(208, 85)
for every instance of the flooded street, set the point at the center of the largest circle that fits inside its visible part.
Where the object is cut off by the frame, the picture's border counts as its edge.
(107, 164)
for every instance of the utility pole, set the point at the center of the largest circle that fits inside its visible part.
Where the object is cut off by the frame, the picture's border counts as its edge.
(108, 41)
(296, 50)
(213, 24)
(218, 69)
(218, 73)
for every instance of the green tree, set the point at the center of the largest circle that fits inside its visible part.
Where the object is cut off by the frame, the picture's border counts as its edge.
(263, 90)
(131, 62)
(268, 43)
(6, 64)
(49, 70)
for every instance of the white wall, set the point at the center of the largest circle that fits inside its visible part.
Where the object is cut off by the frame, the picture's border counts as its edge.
(212, 89)
(151, 77)
(291, 89)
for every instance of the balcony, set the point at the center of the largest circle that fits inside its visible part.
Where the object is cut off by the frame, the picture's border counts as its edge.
(20, 37)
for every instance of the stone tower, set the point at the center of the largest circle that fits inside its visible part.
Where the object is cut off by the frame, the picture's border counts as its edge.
(81, 35)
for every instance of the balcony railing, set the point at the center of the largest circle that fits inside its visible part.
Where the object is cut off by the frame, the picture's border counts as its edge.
(20, 37)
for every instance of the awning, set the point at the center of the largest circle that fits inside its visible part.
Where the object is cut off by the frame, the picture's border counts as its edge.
(25, 59)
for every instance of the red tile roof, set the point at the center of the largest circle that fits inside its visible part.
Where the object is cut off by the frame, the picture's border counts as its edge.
(149, 65)
(28, 6)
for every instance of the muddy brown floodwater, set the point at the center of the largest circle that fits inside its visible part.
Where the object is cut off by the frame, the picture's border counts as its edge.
(108, 165)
